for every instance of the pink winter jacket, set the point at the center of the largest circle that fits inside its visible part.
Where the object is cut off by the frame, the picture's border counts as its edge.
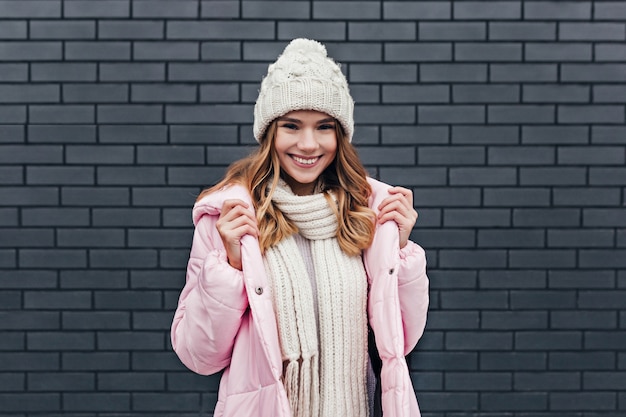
(225, 319)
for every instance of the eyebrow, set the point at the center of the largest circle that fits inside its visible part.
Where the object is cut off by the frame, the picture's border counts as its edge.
(292, 120)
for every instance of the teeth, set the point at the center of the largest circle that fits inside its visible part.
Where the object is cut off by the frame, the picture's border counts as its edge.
(305, 161)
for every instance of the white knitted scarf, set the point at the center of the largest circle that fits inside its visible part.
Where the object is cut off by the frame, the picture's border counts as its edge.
(325, 378)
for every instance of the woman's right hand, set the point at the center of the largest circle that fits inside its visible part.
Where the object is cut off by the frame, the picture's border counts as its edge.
(235, 221)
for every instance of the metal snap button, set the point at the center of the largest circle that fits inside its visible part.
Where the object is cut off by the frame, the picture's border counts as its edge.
(391, 271)
(259, 290)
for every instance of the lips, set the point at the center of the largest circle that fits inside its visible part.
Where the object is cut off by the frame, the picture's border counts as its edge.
(305, 161)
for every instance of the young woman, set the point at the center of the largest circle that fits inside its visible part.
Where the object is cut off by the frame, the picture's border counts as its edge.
(302, 283)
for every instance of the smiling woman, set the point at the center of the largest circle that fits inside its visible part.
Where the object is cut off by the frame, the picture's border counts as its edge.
(294, 274)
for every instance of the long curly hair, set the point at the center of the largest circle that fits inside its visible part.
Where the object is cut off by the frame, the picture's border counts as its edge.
(345, 177)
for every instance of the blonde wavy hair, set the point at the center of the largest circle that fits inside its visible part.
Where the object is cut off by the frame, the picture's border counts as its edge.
(345, 177)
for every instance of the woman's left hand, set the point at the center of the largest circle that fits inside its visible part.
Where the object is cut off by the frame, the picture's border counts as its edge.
(399, 207)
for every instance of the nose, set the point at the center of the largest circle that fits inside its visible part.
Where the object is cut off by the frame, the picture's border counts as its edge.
(308, 141)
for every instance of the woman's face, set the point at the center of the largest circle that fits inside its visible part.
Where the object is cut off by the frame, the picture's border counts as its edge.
(306, 143)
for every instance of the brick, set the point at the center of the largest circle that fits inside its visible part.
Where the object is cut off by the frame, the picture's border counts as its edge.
(96, 401)
(485, 94)
(63, 113)
(152, 321)
(472, 258)
(593, 72)
(30, 51)
(90, 238)
(163, 402)
(414, 135)
(164, 9)
(28, 196)
(591, 114)
(185, 114)
(410, 176)
(605, 380)
(465, 217)
(200, 176)
(512, 279)
(191, 155)
(21, 279)
(446, 238)
(151, 361)
(543, 258)
(553, 340)
(496, 10)
(368, 73)
(122, 258)
(489, 52)
(482, 176)
(30, 154)
(132, 113)
(452, 114)
(522, 31)
(219, 93)
(447, 197)
(159, 238)
(158, 279)
(96, 320)
(396, 114)
(605, 340)
(523, 73)
(100, 154)
(583, 319)
(11, 175)
(97, 50)
(607, 176)
(458, 155)
(602, 299)
(581, 279)
(423, 10)
(548, 135)
(517, 114)
(220, 50)
(444, 360)
(516, 320)
(444, 320)
(60, 341)
(131, 175)
(126, 217)
(566, 10)
(95, 361)
(547, 381)
(13, 114)
(580, 238)
(29, 320)
(220, 30)
(512, 197)
(167, 51)
(453, 401)
(540, 299)
(94, 196)
(173, 259)
(52, 258)
(596, 258)
(30, 361)
(557, 217)
(485, 135)
(453, 72)
(219, 9)
(514, 401)
(283, 10)
(104, 9)
(176, 218)
(30, 402)
(555, 94)
(604, 218)
(55, 217)
(479, 381)
(133, 29)
(8, 216)
(64, 30)
(453, 31)
(520, 155)
(512, 361)
(22, 93)
(382, 31)
(552, 176)
(11, 133)
(592, 31)
(593, 401)
(100, 93)
(608, 94)
(160, 93)
(92, 279)
(478, 341)
(511, 238)
(131, 341)
(418, 52)
(145, 381)
(128, 72)
(59, 175)
(55, 381)
(608, 10)
(128, 134)
(190, 382)
(13, 72)
(362, 10)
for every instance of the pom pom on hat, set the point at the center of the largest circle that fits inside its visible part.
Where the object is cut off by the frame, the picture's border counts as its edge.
(304, 78)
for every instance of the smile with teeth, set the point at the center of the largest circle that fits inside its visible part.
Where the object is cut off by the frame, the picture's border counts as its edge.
(305, 161)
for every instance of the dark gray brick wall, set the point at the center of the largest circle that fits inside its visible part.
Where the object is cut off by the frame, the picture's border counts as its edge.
(506, 118)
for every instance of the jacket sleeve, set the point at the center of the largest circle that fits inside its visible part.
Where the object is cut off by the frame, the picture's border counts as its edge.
(211, 305)
(413, 293)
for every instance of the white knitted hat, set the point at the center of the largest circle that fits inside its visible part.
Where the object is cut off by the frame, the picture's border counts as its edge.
(304, 78)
